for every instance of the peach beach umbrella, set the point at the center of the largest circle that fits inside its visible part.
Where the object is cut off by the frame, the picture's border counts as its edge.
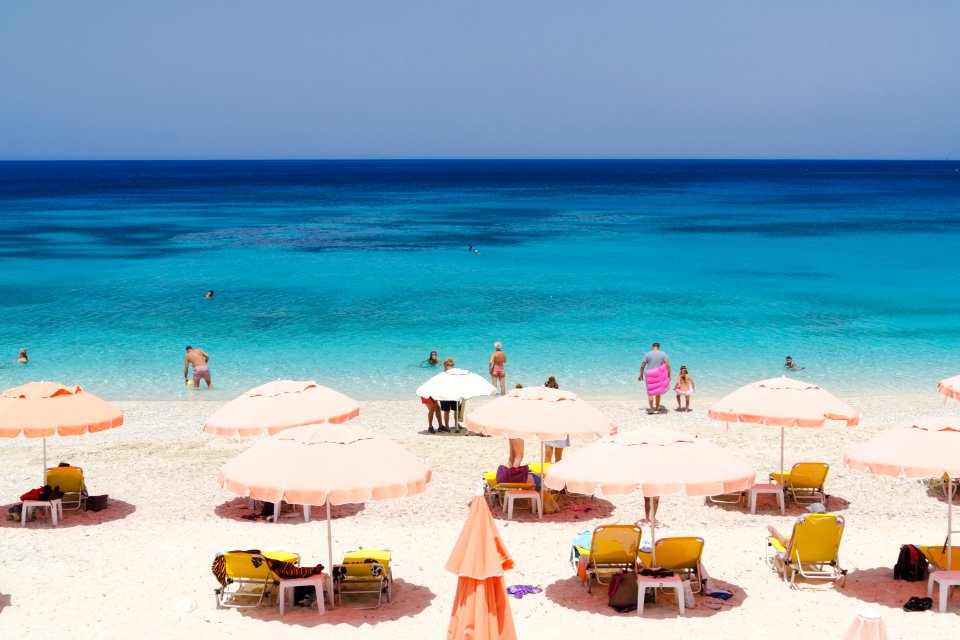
(950, 388)
(324, 464)
(481, 608)
(44, 409)
(282, 404)
(928, 448)
(782, 402)
(542, 413)
(657, 462)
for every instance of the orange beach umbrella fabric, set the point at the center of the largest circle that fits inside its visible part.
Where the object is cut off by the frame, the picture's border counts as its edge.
(279, 405)
(540, 412)
(950, 388)
(481, 608)
(44, 409)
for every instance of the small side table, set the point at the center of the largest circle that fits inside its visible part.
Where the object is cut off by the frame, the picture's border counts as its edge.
(772, 489)
(649, 582)
(55, 507)
(522, 494)
(946, 579)
(318, 582)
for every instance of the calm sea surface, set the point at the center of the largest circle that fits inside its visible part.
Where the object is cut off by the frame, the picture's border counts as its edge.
(351, 272)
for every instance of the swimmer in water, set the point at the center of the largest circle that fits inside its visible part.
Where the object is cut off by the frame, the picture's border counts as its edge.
(790, 364)
(433, 360)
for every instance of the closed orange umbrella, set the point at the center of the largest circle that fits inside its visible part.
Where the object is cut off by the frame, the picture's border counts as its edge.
(950, 388)
(325, 464)
(657, 462)
(279, 405)
(928, 448)
(44, 409)
(782, 402)
(481, 609)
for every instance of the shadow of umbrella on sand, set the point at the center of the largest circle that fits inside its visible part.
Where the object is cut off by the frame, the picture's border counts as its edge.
(44, 409)
(481, 608)
(327, 464)
(278, 405)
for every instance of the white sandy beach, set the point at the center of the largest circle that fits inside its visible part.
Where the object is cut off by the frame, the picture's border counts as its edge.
(121, 572)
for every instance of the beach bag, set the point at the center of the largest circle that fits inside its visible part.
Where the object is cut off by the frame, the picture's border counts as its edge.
(512, 474)
(34, 494)
(96, 503)
(622, 593)
(911, 564)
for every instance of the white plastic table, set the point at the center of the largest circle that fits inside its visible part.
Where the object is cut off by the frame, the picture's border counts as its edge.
(772, 489)
(512, 495)
(650, 582)
(55, 507)
(318, 582)
(946, 579)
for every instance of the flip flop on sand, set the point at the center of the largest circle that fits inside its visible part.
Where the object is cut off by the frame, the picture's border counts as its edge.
(918, 604)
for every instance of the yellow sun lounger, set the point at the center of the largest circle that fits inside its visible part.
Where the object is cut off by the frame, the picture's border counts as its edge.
(248, 579)
(681, 555)
(70, 481)
(812, 551)
(494, 490)
(936, 554)
(365, 571)
(804, 482)
(612, 549)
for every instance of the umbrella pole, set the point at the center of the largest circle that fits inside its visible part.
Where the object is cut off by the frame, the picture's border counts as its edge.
(329, 549)
(44, 461)
(783, 433)
(653, 536)
(543, 472)
(949, 523)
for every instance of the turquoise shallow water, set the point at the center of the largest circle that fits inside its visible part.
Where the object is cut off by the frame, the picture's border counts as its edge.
(351, 272)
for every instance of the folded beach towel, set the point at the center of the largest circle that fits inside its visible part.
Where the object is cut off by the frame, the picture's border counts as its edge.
(658, 381)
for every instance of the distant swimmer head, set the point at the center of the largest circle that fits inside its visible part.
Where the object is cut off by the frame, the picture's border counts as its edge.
(23, 356)
(497, 346)
(209, 294)
(448, 363)
(552, 383)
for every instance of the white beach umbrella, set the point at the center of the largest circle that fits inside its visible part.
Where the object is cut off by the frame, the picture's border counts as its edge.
(455, 384)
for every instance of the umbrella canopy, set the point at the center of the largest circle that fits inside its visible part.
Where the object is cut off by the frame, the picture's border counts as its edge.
(481, 608)
(656, 462)
(43, 409)
(927, 448)
(950, 388)
(782, 402)
(540, 412)
(325, 464)
(279, 405)
(455, 384)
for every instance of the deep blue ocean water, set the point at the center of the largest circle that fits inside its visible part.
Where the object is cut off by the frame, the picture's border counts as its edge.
(351, 272)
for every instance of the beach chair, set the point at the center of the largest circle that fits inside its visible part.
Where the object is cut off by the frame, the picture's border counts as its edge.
(804, 482)
(70, 481)
(494, 491)
(246, 578)
(365, 571)
(682, 556)
(812, 551)
(936, 555)
(612, 548)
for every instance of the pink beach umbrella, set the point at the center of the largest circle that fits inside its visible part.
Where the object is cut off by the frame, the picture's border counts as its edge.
(782, 402)
(927, 448)
(324, 465)
(950, 388)
(44, 409)
(279, 405)
(655, 462)
(542, 413)
(867, 626)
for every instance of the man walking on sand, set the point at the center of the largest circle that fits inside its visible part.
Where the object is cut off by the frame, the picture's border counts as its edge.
(497, 359)
(657, 365)
(201, 370)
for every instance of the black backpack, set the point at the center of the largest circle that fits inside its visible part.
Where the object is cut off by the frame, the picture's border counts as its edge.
(911, 564)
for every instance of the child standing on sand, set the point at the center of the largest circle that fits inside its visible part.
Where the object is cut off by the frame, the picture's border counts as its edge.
(684, 388)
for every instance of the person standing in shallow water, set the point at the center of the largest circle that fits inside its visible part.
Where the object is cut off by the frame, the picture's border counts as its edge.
(657, 366)
(497, 361)
(199, 359)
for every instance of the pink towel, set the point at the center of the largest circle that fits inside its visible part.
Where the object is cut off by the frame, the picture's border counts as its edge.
(657, 381)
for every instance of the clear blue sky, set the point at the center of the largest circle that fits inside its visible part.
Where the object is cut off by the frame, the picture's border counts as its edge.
(507, 79)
